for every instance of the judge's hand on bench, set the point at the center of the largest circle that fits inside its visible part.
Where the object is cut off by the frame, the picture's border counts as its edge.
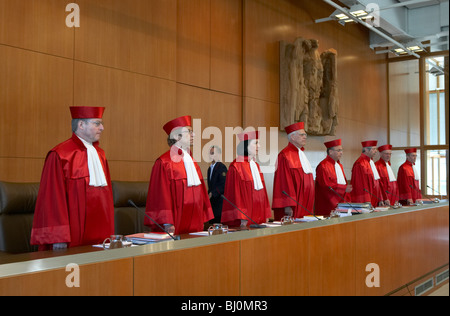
(58, 246)
(169, 228)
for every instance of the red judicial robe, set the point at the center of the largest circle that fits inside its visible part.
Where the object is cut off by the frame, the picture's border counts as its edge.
(289, 177)
(406, 178)
(239, 189)
(386, 184)
(68, 210)
(363, 178)
(326, 200)
(171, 201)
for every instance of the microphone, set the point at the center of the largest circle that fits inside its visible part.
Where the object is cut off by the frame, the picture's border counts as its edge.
(284, 192)
(434, 191)
(433, 201)
(378, 200)
(397, 204)
(135, 206)
(254, 225)
(351, 206)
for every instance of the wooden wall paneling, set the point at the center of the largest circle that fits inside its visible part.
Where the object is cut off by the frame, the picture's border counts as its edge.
(430, 249)
(137, 107)
(267, 22)
(362, 106)
(34, 106)
(262, 20)
(410, 247)
(34, 101)
(194, 42)
(441, 235)
(353, 132)
(112, 278)
(226, 115)
(260, 113)
(130, 170)
(332, 260)
(21, 169)
(377, 241)
(36, 25)
(404, 100)
(263, 115)
(226, 46)
(276, 265)
(134, 35)
(217, 111)
(417, 242)
(206, 271)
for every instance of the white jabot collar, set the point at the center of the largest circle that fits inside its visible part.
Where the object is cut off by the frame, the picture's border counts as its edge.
(376, 175)
(96, 173)
(257, 183)
(416, 172)
(390, 173)
(339, 174)
(193, 179)
(305, 162)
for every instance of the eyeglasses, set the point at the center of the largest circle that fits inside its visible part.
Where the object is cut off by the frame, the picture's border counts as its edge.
(97, 123)
(190, 131)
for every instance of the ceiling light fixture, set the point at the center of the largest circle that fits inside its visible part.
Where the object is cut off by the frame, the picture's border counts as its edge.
(355, 14)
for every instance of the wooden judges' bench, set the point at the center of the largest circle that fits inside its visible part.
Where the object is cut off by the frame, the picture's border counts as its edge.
(329, 257)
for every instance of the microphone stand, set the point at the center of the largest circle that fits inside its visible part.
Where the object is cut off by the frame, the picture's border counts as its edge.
(378, 200)
(351, 206)
(284, 192)
(160, 227)
(435, 192)
(397, 204)
(254, 225)
(432, 201)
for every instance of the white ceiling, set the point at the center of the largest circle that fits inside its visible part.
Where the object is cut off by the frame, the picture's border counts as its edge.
(408, 22)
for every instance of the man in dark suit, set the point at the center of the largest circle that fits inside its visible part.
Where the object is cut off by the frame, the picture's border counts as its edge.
(217, 173)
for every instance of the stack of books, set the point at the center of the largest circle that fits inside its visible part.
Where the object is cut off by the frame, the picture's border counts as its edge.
(147, 238)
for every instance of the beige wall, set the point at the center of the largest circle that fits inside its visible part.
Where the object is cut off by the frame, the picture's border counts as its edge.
(148, 61)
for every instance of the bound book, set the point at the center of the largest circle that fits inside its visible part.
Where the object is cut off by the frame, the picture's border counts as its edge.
(148, 237)
(355, 206)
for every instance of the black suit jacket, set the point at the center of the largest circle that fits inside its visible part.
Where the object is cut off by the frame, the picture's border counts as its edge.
(216, 186)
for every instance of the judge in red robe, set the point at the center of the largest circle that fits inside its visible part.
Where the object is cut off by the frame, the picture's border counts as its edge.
(245, 187)
(75, 206)
(365, 177)
(408, 179)
(294, 176)
(331, 183)
(177, 197)
(388, 181)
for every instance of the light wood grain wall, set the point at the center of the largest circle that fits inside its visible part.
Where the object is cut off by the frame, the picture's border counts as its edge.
(148, 61)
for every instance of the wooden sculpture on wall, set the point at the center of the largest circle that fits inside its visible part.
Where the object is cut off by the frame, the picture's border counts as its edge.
(308, 87)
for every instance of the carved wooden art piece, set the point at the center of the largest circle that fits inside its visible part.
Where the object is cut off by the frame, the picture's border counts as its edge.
(308, 87)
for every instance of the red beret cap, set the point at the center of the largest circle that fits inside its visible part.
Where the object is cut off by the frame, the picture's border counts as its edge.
(333, 143)
(178, 122)
(384, 147)
(411, 150)
(86, 112)
(294, 127)
(369, 143)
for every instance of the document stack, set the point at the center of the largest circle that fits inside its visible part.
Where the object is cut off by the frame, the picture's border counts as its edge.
(354, 208)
